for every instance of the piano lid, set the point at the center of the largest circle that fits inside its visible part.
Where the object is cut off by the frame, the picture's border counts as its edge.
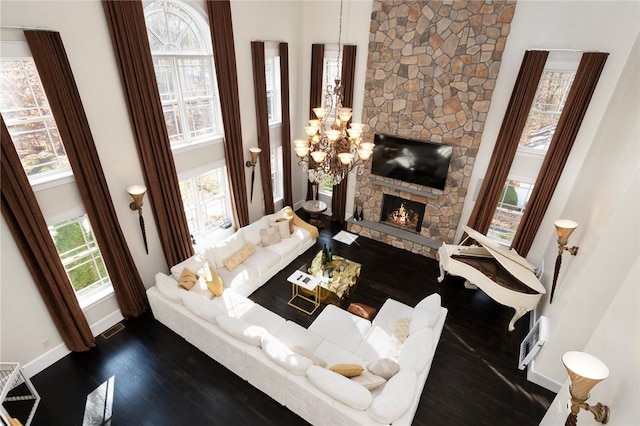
(510, 260)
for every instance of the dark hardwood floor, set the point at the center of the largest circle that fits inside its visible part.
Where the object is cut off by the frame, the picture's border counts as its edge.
(160, 379)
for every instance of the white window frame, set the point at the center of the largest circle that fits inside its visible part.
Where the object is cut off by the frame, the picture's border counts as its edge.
(91, 295)
(272, 78)
(558, 61)
(277, 185)
(201, 28)
(19, 50)
(217, 234)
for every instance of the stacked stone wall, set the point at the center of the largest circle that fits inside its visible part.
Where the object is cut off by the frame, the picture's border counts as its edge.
(431, 71)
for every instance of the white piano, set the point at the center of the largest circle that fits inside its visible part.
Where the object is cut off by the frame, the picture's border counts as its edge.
(502, 274)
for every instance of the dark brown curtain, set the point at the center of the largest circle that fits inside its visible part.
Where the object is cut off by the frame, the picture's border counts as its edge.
(339, 196)
(59, 85)
(286, 124)
(262, 122)
(135, 64)
(575, 108)
(504, 151)
(315, 94)
(28, 227)
(224, 54)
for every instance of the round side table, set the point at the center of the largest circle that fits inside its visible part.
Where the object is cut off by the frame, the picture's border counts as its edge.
(314, 208)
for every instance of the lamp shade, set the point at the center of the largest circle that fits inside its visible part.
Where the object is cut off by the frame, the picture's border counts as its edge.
(585, 371)
(564, 228)
(137, 194)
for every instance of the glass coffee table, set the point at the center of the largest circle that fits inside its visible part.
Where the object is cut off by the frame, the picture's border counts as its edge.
(338, 278)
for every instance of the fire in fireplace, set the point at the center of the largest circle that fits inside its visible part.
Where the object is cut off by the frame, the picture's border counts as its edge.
(401, 213)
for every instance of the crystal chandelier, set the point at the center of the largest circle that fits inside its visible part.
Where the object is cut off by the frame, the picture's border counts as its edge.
(333, 146)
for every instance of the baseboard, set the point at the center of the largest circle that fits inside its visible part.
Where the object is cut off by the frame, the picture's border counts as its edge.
(54, 355)
(107, 322)
(541, 380)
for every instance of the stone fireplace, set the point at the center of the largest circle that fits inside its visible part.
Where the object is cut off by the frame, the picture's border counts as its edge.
(431, 71)
(403, 214)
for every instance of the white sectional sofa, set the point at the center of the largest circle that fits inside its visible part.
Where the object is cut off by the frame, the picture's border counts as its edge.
(265, 262)
(285, 360)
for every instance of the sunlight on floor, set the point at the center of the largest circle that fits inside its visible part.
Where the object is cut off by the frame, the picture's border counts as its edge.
(99, 405)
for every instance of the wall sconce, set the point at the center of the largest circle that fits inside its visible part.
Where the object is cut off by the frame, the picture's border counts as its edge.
(564, 228)
(585, 371)
(255, 152)
(137, 194)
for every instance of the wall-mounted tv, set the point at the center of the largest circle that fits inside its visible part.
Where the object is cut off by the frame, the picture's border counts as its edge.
(408, 160)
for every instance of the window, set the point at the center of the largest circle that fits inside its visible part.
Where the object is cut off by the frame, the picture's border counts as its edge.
(276, 173)
(272, 77)
(542, 120)
(330, 71)
(183, 62)
(26, 112)
(206, 201)
(513, 200)
(545, 112)
(81, 258)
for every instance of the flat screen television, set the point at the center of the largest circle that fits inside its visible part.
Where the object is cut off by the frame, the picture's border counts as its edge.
(408, 160)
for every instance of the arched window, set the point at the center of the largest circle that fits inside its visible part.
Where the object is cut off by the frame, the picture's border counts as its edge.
(183, 62)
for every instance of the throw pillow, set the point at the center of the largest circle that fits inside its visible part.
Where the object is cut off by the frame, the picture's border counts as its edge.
(282, 225)
(201, 288)
(187, 279)
(395, 398)
(279, 353)
(401, 330)
(431, 305)
(212, 279)
(289, 215)
(269, 236)
(369, 380)
(307, 353)
(168, 287)
(238, 257)
(385, 367)
(241, 330)
(223, 250)
(340, 388)
(347, 370)
(417, 351)
(360, 309)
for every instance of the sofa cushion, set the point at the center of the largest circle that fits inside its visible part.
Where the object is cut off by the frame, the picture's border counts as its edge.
(232, 303)
(285, 247)
(389, 313)
(293, 334)
(334, 354)
(279, 353)
(426, 313)
(203, 308)
(238, 277)
(251, 232)
(301, 350)
(201, 288)
(417, 350)
(262, 261)
(269, 236)
(187, 279)
(221, 251)
(369, 380)
(385, 367)
(241, 330)
(259, 315)
(239, 256)
(168, 287)
(376, 344)
(193, 263)
(395, 398)
(340, 327)
(347, 370)
(340, 387)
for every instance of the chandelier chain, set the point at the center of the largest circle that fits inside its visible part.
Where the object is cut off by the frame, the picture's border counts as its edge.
(340, 38)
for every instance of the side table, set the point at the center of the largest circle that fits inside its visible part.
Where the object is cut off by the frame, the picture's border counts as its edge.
(302, 280)
(314, 208)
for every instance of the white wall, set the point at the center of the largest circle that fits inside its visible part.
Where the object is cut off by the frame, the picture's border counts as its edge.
(615, 342)
(606, 203)
(596, 185)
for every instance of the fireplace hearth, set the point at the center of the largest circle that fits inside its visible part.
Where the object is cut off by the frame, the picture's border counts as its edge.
(400, 213)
